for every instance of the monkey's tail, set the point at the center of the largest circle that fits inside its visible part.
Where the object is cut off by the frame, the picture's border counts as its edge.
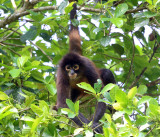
(74, 37)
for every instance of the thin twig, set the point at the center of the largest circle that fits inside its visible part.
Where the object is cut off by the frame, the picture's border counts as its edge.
(13, 30)
(41, 51)
(150, 131)
(10, 49)
(122, 59)
(157, 23)
(14, 45)
(5, 38)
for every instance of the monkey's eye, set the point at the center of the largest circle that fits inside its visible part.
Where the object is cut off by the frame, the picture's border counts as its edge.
(67, 67)
(76, 67)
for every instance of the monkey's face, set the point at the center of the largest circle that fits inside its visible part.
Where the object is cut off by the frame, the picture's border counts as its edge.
(72, 71)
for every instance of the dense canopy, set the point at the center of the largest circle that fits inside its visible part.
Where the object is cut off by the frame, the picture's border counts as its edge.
(121, 35)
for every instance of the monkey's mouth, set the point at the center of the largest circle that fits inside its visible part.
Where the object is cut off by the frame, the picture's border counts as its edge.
(73, 76)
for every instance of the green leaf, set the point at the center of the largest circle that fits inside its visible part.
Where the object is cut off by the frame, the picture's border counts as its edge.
(105, 41)
(62, 6)
(5, 109)
(75, 22)
(142, 89)
(107, 88)
(52, 129)
(99, 135)
(140, 35)
(140, 62)
(37, 75)
(29, 35)
(8, 111)
(35, 63)
(36, 16)
(87, 87)
(98, 86)
(15, 72)
(96, 30)
(117, 21)
(154, 110)
(45, 36)
(141, 22)
(29, 100)
(113, 127)
(44, 106)
(70, 104)
(35, 124)
(27, 118)
(106, 132)
(52, 89)
(78, 131)
(144, 99)
(121, 9)
(3, 96)
(69, 7)
(121, 97)
(89, 133)
(36, 109)
(118, 106)
(113, 93)
(141, 121)
(107, 96)
(128, 119)
(132, 92)
(108, 117)
(149, 14)
(76, 107)
(117, 115)
(22, 60)
(118, 49)
(67, 111)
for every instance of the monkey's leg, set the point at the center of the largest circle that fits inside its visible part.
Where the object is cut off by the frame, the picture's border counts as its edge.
(100, 110)
(80, 120)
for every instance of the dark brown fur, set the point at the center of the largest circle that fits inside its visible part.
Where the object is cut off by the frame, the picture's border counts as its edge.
(87, 72)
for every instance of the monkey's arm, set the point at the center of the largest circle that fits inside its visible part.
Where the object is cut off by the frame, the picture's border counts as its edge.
(63, 89)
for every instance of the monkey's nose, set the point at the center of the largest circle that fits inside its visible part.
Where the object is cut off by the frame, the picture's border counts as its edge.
(72, 72)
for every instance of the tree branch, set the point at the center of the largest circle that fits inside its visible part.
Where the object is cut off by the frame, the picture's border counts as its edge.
(22, 12)
(153, 83)
(19, 13)
(138, 77)
(131, 66)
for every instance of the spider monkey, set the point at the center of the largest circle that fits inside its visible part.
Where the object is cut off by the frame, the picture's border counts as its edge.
(75, 68)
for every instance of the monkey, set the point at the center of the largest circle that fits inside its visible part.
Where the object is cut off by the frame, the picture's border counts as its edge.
(74, 69)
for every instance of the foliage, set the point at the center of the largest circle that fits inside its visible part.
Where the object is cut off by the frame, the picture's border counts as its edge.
(122, 35)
